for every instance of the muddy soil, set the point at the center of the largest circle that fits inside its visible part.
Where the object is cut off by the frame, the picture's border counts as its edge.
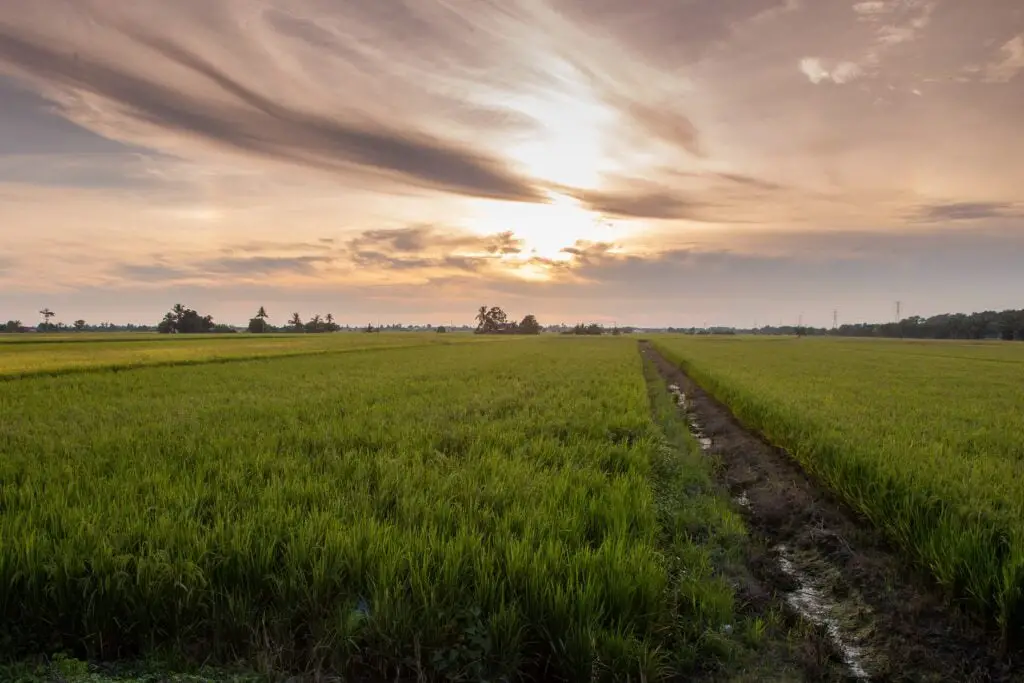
(885, 621)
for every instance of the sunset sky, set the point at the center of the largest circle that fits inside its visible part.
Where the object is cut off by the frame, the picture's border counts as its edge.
(654, 162)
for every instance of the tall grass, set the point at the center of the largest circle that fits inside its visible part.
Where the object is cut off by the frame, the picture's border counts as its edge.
(461, 511)
(925, 440)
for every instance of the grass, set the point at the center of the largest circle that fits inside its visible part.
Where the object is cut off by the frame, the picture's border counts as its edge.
(63, 354)
(923, 439)
(464, 510)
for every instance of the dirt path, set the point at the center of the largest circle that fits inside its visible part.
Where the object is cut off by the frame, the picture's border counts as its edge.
(884, 621)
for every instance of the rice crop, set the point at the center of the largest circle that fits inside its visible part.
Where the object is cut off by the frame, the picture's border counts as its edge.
(925, 439)
(61, 354)
(463, 511)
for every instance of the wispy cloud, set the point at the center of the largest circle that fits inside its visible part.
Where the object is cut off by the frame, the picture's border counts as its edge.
(969, 211)
(243, 119)
(1010, 62)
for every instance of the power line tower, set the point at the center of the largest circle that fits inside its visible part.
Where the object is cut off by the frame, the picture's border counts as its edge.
(835, 319)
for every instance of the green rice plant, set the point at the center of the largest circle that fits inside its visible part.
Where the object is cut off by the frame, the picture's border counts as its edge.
(922, 438)
(462, 511)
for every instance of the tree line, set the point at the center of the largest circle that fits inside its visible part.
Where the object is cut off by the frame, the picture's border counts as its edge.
(1006, 325)
(494, 320)
(316, 324)
(14, 326)
(181, 319)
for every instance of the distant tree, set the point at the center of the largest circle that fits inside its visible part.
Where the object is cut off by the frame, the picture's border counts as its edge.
(296, 322)
(47, 314)
(497, 315)
(369, 328)
(494, 320)
(593, 329)
(529, 325)
(442, 329)
(329, 324)
(12, 326)
(184, 320)
(79, 325)
(315, 324)
(168, 325)
(258, 324)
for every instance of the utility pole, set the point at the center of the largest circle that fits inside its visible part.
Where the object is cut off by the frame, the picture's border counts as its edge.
(835, 319)
(899, 305)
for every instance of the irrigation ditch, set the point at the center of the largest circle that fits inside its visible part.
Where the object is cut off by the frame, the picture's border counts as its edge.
(882, 618)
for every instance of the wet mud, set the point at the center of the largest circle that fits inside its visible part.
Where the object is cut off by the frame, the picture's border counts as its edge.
(884, 621)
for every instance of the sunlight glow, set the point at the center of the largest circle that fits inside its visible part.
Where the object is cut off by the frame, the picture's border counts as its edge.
(570, 149)
(546, 229)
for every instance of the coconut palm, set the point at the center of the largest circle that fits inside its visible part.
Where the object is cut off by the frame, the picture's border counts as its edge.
(47, 314)
(482, 317)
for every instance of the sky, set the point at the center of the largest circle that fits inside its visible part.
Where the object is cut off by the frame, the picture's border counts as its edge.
(666, 162)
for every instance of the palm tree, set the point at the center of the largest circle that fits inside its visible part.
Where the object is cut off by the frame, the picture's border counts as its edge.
(329, 319)
(296, 321)
(482, 318)
(316, 322)
(179, 312)
(47, 314)
(262, 314)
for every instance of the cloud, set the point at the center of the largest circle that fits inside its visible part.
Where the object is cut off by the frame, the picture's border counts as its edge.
(671, 32)
(31, 124)
(586, 253)
(1012, 62)
(968, 211)
(418, 251)
(816, 71)
(652, 202)
(234, 267)
(750, 181)
(707, 197)
(399, 262)
(239, 118)
(425, 238)
(97, 170)
(264, 246)
(664, 122)
(871, 8)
